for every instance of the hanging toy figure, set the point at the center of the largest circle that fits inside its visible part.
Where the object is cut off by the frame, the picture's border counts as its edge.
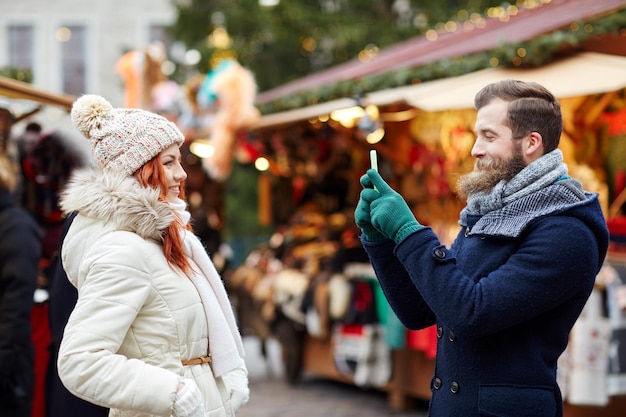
(229, 90)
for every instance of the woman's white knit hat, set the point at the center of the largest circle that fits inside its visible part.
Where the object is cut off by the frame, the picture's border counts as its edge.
(123, 140)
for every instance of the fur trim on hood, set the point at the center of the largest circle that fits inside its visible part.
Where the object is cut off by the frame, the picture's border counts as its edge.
(116, 198)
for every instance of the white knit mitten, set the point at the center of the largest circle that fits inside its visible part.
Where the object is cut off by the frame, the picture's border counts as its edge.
(236, 382)
(188, 400)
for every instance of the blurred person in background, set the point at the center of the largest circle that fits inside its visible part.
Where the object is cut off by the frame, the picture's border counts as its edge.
(20, 250)
(59, 402)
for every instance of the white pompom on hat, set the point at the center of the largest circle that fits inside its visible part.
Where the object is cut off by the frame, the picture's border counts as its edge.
(123, 140)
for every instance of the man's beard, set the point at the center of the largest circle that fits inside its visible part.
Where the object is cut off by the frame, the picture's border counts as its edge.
(488, 172)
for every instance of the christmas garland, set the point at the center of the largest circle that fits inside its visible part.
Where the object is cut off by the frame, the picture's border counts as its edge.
(538, 51)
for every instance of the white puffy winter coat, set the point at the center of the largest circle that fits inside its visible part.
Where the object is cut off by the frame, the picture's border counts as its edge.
(136, 318)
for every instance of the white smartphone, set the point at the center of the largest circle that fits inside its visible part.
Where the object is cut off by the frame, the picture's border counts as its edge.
(373, 160)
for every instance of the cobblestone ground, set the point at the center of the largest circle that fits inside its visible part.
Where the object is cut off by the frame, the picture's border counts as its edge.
(271, 396)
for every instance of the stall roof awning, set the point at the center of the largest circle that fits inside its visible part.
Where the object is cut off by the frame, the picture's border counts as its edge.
(526, 25)
(304, 113)
(582, 74)
(14, 89)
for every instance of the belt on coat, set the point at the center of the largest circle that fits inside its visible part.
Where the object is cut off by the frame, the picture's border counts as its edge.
(197, 361)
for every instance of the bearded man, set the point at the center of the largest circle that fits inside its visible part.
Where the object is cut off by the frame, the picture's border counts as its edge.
(506, 294)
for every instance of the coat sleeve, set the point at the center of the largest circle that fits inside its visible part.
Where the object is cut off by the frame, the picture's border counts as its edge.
(556, 261)
(115, 286)
(401, 293)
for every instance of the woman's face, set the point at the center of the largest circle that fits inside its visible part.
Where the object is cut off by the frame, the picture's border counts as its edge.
(171, 160)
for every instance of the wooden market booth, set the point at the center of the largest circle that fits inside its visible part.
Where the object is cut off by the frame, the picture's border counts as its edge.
(428, 136)
(19, 91)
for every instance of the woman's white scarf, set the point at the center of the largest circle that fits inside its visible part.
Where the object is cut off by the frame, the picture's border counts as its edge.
(225, 343)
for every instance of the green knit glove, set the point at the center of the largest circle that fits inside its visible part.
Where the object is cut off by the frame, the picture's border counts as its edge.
(389, 213)
(362, 214)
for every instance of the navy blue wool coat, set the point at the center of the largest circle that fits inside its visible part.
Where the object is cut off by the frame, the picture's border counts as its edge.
(503, 306)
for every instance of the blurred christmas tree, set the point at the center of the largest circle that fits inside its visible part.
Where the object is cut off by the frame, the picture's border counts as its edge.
(298, 37)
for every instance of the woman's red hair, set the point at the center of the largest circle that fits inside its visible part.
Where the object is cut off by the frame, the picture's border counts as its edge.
(152, 175)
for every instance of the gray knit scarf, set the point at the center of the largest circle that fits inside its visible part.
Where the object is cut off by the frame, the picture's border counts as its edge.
(541, 188)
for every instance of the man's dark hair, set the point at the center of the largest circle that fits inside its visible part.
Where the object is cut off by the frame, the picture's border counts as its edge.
(532, 108)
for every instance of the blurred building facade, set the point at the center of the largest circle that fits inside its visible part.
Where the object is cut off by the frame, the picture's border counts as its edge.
(73, 46)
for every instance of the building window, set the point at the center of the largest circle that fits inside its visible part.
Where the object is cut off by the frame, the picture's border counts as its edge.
(21, 46)
(73, 59)
(158, 33)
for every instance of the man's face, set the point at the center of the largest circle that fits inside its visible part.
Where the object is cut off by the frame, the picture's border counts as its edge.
(498, 156)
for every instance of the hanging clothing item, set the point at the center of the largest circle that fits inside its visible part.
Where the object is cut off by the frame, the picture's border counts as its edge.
(589, 355)
(616, 306)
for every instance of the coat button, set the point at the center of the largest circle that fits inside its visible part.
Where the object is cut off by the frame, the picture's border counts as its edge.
(436, 384)
(440, 253)
(439, 331)
(454, 388)
(451, 337)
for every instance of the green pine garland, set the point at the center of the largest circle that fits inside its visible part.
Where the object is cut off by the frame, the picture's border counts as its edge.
(19, 74)
(539, 51)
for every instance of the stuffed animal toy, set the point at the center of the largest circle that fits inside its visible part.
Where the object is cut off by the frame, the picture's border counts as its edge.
(229, 90)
